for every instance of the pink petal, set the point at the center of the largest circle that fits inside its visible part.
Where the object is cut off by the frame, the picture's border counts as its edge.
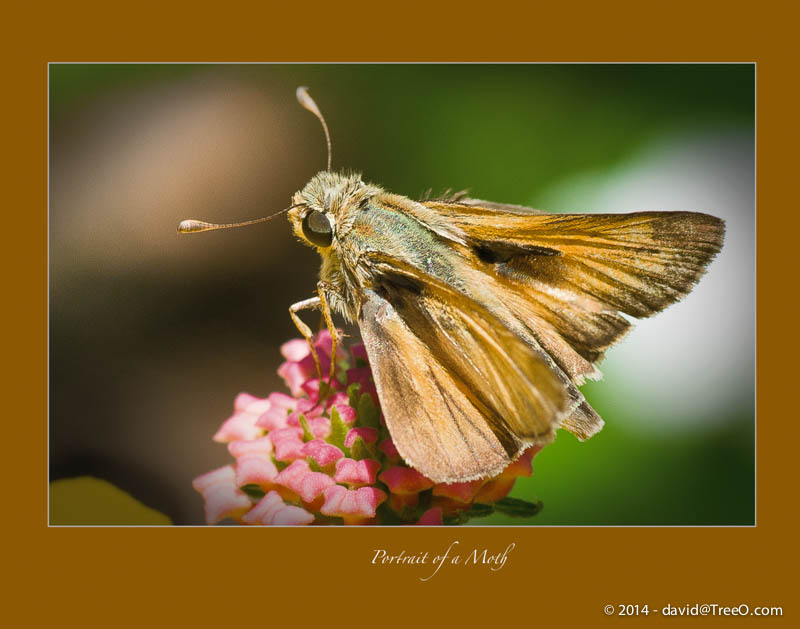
(495, 489)
(254, 462)
(221, 475)
(292, 515)
(399, 503)
(250, 403)
(320, 427)
(257, 446)
(367, 435)
(308, 408)
(256, 470)
(523, 466)
(360, 502)
(359, 351)
(271, 510)
(324, 344)
(405, 480)
(360, 375)
(242, 425)
(273, 419)
(310, 369)
(295, 350)
(463, 492)
(363, 376)
(304, 407)
(280, 405)
(432, 517)
(346, 413)
(294, 375)
(290, 432)
(301, 480)
(340, 397)
(222, 497)
(323, 453)
(387, 447)
(355, 472)
(311, 387)
(288, 443)
(239, 426)
(281, 400)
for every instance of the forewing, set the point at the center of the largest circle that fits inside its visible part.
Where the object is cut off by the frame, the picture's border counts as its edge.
(461, 394)
(580, 270)
(503, 207)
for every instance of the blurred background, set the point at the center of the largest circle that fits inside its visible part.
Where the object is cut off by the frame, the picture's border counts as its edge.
(153, 334)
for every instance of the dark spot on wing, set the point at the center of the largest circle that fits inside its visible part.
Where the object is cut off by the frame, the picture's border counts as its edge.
(497, 252)
(395, 284)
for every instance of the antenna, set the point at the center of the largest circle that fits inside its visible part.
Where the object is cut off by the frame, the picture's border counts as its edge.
(191, 225)
(304, 98)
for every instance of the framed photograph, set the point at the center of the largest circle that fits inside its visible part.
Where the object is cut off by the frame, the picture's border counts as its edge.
(540, 278)
(495, 328)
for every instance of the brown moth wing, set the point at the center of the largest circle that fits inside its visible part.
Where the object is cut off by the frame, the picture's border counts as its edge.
(566, 276)
(434, 425)
(439, 314)
(570, 327)
(582, 320)
(486, 292)
(503, 207)
(583, 422)
(580, 269)
(461, 394)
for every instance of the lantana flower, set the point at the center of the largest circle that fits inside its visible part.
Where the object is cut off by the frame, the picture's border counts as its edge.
(323, 455)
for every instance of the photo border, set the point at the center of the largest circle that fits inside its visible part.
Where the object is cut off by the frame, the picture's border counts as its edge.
(220, 575)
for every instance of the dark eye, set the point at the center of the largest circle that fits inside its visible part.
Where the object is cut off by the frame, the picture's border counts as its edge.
(317, 228)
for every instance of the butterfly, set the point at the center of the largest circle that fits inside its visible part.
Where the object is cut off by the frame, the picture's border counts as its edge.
(481, 319)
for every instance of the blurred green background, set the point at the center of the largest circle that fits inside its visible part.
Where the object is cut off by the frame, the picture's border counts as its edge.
(152, 334)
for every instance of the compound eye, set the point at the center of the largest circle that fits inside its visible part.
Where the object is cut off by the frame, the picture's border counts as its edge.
(317, 228)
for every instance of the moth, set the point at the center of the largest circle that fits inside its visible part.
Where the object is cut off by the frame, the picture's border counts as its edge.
(482, 319)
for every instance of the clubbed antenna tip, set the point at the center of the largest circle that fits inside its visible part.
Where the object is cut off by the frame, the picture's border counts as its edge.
(304, 98)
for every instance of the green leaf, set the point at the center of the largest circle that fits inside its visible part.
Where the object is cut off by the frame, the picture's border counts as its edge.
(388, 517)
(517, 508)
(453, 519)
(253, 490)
(368, 414)
(307, 435)
(280, 465)
(480, 510)
(352, 394)
(328, 519)
(425, 498)
(86, 501)
(324, 390)
(313, 465)
(362, 450)
(476, 510)
(338, 430)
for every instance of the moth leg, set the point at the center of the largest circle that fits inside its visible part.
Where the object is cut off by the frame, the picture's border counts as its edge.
(306, 304)
(326, 312)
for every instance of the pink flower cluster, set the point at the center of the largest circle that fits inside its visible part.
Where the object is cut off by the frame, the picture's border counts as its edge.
(323, 455)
